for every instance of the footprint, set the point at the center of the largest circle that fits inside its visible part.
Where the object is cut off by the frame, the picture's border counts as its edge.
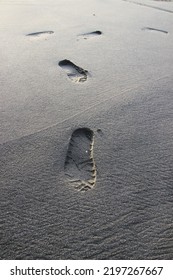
(155, 29)
(90, 34)
(151, 6)
(42, 34)
(79, 166)
(74, 72)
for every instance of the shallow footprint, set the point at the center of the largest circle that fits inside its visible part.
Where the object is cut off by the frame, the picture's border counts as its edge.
(41, 34)
(154, 29)
(79, 164)
(90, 34)
(74, 72)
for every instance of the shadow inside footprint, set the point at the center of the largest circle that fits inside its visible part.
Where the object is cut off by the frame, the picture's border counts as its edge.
(154, 29)
(74, 72)
(79, 163)
(90, 34)
(39, 34)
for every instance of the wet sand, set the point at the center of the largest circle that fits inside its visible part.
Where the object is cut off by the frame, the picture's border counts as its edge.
(86, 129)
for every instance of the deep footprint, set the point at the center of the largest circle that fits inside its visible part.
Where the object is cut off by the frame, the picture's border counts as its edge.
(155, 29)
(38, 34)
(79, 164)
(74, 72)
(90, 34)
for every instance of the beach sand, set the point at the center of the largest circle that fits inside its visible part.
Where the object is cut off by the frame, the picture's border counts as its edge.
(86, 129)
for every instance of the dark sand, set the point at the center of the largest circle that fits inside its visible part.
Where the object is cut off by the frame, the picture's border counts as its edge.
(86, 164)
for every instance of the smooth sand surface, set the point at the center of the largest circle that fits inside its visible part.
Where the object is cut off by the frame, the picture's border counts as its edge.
(86, 129)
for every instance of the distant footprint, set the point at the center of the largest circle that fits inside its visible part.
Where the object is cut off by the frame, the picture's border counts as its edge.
(79, 164)
(74, 72)
(151, 6)
(155, 29)
(90, 34)
(42, 34)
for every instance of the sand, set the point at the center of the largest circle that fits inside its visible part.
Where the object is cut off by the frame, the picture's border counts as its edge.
(86, 129)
